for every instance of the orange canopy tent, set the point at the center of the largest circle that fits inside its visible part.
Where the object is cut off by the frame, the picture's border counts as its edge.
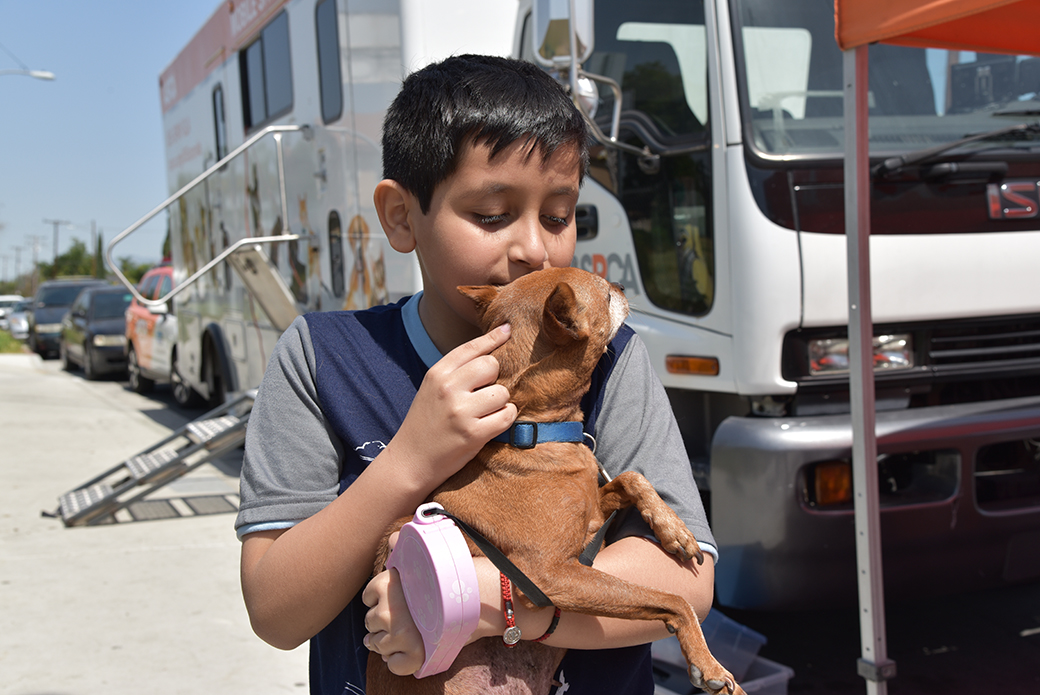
(989, 26)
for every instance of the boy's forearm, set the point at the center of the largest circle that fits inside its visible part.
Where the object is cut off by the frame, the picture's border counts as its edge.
(634, 559)
(296, 581)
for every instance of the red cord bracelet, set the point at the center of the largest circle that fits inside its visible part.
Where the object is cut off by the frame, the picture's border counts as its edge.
(512, 634)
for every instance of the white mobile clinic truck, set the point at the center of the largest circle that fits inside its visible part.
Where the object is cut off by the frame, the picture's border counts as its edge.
(716, 198)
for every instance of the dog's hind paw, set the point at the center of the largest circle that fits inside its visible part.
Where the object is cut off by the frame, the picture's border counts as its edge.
(715, 686)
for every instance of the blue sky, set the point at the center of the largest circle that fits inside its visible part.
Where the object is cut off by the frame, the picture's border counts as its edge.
(89, 145)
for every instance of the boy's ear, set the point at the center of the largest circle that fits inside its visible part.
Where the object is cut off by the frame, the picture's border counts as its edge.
(482, 295)
(394, 207)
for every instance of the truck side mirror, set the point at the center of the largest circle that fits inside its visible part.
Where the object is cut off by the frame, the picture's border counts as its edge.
(552, 40)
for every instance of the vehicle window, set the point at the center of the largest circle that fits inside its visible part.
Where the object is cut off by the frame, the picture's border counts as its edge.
(331, 85)
(58, 295)
(266, 74)
(219, 123)
(790, 72)
(656, 51)
(147, 288)
(166, 287)
(80, 305)
(111, 305)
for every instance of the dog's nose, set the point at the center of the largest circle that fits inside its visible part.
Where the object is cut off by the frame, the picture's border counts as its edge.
(619, 286)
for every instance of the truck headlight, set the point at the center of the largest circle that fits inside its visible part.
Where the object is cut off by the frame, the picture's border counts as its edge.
(109, 340)
(831, 355)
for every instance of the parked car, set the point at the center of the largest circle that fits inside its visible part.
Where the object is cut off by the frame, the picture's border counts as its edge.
(18, 320)
(151, 340)
(92, 335)
(50, 304)
(7, 302)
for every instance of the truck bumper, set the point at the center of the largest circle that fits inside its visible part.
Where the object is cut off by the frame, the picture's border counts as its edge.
(778, 551)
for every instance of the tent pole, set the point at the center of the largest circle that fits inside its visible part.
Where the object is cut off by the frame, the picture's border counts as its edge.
(874, 664)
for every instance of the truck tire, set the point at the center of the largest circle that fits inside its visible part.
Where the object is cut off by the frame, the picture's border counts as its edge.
(183, 393)
(214, 376)
(137, 383)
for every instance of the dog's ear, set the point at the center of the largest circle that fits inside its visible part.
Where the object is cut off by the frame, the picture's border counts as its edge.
(482, 295)
(561, 317)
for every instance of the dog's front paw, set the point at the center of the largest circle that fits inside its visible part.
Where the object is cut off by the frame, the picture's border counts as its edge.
(674, 537)
(721, 681)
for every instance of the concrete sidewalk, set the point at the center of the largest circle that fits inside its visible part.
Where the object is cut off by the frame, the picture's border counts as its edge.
(134, 607)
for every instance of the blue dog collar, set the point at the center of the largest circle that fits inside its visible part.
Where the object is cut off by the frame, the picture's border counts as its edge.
(526, 435)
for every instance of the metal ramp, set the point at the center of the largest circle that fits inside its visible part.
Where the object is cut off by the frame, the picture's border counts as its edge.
(204, 439)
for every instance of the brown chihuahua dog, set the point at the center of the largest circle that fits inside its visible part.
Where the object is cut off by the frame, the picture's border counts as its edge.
(541, 506)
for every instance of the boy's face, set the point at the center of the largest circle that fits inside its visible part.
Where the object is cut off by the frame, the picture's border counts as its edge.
(489, 223)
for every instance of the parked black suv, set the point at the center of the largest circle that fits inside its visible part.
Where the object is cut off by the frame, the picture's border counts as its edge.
(50, 303)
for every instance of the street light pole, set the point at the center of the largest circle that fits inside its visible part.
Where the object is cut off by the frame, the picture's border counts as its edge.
(38, 74)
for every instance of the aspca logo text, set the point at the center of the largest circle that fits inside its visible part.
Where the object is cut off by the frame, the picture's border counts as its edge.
(613, 267)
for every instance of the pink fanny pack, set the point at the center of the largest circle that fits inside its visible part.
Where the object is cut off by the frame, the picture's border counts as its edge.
(440, 585)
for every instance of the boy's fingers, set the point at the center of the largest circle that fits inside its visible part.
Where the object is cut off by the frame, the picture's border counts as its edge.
(375, 589)
(480, 345)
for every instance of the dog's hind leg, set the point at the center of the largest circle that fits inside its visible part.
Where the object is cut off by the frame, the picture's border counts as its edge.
(632, 489)
(579, 589)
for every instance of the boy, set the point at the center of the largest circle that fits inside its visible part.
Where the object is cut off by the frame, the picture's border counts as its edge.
(362, 414)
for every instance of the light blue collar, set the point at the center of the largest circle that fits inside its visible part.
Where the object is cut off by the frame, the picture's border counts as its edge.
(417, 334)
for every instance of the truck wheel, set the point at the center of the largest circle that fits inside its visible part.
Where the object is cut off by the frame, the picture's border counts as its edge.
(183, 393)
(137, 383)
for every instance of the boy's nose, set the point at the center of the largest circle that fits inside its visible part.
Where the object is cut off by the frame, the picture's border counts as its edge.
(528, 246)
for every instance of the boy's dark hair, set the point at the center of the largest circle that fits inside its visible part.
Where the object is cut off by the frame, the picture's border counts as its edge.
(484, 99)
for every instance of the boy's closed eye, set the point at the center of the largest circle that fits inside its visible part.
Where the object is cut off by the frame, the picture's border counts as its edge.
(498, 219)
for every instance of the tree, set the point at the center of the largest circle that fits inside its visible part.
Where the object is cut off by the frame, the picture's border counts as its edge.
(133, 271)
(99, 258)
(76, 261)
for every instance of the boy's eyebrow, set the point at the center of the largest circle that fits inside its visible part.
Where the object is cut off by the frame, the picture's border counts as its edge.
(496, 188)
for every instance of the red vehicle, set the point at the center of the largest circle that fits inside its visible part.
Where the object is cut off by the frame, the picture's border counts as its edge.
(151, 339)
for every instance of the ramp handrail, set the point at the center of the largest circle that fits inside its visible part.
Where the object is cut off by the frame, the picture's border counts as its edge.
(276, 131)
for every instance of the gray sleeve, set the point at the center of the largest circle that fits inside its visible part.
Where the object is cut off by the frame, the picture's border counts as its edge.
(636, 430)
(291, 467)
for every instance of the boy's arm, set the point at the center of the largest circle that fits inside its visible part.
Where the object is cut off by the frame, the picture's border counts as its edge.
(296, 580)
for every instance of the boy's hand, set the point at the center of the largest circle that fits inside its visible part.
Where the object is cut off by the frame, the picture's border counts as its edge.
(456, 411)
(391, 631)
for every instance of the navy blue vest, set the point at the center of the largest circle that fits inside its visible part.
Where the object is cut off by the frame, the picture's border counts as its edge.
(367, 374)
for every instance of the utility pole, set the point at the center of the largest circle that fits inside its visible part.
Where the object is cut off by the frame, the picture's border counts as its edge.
(17, 262)
(56, 223)
(3, 277)
(35, 241)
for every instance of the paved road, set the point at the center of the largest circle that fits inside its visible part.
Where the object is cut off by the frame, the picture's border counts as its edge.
(124, 609)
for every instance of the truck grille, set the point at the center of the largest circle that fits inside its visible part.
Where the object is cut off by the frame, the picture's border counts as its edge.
(1009, 342)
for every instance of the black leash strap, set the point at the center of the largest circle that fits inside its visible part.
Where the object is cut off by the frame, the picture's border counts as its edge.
(506, 566)
(498, 558)
(589, 554)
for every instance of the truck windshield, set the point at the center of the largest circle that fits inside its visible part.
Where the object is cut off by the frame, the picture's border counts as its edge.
(791, 87)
